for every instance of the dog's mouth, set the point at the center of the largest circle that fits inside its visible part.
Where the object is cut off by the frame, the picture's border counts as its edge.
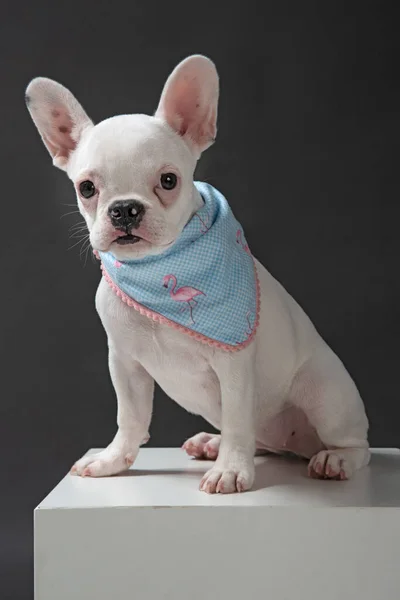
(127, 239)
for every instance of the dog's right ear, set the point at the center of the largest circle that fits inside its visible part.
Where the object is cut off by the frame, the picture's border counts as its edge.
(189, 102)
(59, 117)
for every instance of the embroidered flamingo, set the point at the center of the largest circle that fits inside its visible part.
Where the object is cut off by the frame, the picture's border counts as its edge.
(249, 331)
(204, 227)
(239, 241)
(184, 294)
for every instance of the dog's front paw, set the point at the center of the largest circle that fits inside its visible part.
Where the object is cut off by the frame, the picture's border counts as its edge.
(104, 463)
(227, 481)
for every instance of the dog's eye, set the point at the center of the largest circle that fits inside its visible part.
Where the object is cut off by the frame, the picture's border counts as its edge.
(168, 181)
(87, 189)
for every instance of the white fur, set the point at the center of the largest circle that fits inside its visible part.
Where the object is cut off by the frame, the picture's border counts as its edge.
(285, 391)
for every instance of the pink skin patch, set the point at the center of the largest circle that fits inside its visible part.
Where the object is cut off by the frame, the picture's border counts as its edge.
(167, 197)
(58, 136)
(129, 460)
(118, 264)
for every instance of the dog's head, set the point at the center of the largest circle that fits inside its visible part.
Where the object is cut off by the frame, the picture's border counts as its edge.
(133, 174)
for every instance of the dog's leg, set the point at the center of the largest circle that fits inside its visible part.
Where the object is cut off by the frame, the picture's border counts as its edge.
(134, 388)
(333, 406)
(234, 468)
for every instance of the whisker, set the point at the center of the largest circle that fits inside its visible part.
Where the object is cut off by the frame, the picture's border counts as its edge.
(78, 234)
(80, 241)
(72, 212)
(77, 225)
(85, 246)
(87, 253)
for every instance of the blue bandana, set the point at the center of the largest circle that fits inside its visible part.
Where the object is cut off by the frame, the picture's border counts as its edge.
(205, 284)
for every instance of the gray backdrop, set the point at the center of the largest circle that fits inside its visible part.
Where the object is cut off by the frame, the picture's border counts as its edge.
(307, 154)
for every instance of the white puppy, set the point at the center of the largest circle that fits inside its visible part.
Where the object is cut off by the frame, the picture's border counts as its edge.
(281, 389)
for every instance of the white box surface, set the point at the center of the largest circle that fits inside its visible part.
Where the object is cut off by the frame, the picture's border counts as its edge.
(151, 535)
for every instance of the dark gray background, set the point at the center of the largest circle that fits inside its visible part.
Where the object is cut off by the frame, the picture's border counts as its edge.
(307, 155)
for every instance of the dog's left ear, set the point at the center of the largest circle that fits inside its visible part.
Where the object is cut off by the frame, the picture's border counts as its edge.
(189, 102)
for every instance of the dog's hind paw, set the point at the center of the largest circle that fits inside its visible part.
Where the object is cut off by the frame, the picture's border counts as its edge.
(203, 446)
(329, 464)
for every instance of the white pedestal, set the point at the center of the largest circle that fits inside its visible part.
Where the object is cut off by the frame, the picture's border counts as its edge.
(151, 535)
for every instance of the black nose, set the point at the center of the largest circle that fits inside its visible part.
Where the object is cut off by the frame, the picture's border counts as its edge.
(126, 214)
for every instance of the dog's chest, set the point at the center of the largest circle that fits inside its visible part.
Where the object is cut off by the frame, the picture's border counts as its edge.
(180, 365)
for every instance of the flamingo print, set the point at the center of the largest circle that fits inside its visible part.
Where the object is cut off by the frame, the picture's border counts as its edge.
(249, 331)
(184, 294)
(204, 227)
(239, 241)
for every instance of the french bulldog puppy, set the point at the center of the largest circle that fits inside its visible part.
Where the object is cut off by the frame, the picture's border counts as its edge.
(279, 388)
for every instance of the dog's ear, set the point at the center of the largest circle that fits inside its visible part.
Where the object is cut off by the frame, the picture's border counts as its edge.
(58, 116)
(189, 102)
